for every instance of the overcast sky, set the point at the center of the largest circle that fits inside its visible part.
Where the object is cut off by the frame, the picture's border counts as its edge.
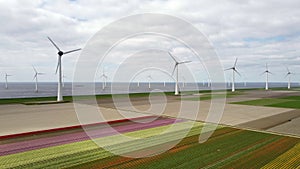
(254, 31)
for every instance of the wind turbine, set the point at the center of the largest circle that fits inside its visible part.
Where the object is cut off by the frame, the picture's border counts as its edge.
(6, 84)
(267, 72)
(59, 68)
(233, 68)
(35, 77)
(228, 81)
(176, 67)
(289, 76)
(104, 78)
(183, 83)
(208, 82)
(149, 79)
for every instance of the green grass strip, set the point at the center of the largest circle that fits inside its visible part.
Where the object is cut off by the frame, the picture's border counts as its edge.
(214, 95)
(261, 102)
(288, 104)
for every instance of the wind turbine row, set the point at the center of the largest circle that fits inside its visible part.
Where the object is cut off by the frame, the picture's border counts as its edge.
(266, 72)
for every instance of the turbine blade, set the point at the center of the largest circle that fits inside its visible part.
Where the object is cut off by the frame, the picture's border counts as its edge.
(235, 62)
(172, 57)
(34, 69)
(237, 72)
(267, 66)
(228, 69)
(53, 43)
(185, 62)
(34, 76)
(286, 75)
(287, 69)
(174, 69)
(263, 73)
(72, 51)
(57, 68)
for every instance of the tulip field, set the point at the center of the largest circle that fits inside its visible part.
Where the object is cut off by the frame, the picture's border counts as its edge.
(73, 148)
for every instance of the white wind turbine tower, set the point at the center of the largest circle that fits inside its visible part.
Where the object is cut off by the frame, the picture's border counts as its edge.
(228, 81)
(35, 77)
(149, 81)
(104, 79)
(267, 72)
(63, 80)
(6, 83)
(183, 83)
(233, 75)
(59, 69)
(208, 82)
(176, 67)
(289, 76)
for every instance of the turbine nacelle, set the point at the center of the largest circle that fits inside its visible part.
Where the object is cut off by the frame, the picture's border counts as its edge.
(60, 53)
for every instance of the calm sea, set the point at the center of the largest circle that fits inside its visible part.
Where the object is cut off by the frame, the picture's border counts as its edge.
(22, 90)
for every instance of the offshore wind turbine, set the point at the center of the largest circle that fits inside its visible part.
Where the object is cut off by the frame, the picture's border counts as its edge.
(6, 83)
(104, 79)
(208, 82)
(177, 63)
(149, 79)
(267, 72)
(183, 83)
(59, 68)
(289, 76)
(234, 70)
(35, 77)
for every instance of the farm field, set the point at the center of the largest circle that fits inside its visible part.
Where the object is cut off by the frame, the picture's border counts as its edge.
(283, 102)
(72, 148)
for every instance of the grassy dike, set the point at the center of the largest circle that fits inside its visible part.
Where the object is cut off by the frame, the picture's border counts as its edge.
(70, 98)
(206, 95)
(83, 97)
